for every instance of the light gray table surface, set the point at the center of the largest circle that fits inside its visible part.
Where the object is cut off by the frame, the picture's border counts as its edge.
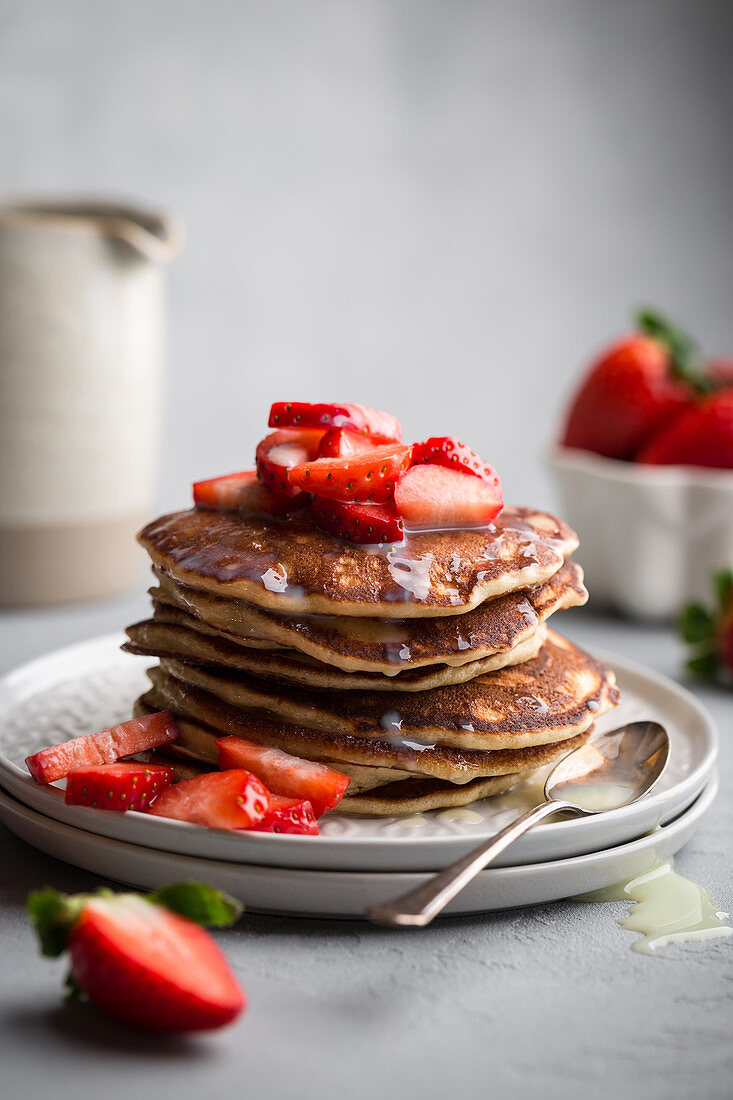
(547, 1001)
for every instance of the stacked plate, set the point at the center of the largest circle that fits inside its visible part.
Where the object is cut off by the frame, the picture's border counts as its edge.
(356, 861)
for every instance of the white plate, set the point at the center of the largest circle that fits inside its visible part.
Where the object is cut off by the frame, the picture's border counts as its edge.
(349, 893)
(92, 685)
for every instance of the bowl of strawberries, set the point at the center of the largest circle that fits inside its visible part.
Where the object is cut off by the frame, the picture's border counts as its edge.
(644, 465)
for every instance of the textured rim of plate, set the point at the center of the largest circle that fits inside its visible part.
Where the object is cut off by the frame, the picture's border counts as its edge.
(688, 788)
(546, 880)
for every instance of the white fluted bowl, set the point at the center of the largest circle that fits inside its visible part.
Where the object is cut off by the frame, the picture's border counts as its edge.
(650, 536)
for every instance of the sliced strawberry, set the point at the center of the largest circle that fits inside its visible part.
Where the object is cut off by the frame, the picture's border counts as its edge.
(221, 800)
(242, 491)
(279, 451)
(381, 426)
(365, 478)
(700, 436)
(433, 497)
(145, 960)
(339, 442)
(288, 815)
(116, 786)
(446, 451)
(284, 774)
(105, 747)
(361, 523)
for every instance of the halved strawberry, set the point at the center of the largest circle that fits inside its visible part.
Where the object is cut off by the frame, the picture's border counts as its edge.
(361, 523)
(105, 747)
(288, 815)
(284, 774)
(242, 491)
(381, 426)
(122, 786)
(220, 800)
(340, 442)
(279, 451)
(365, 478)
(444, 450)
(433, 497)
(145, 960)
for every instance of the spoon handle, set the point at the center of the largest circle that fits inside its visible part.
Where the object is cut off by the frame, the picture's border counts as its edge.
(418, 907)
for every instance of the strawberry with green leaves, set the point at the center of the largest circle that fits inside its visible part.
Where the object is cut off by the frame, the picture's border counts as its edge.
(145, 960)
(710, 633)
(634, 388)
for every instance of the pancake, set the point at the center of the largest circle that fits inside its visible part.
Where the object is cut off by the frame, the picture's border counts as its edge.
(187, 762)
(555, 696)
(414, 796)
(382, 793)
(291, 566)
(203, 718)
(154, 638)
(386, 647)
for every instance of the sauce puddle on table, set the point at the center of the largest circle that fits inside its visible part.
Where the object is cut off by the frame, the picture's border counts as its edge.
(667, 909)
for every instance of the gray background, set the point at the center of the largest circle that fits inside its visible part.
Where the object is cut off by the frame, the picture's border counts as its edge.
(437, 208)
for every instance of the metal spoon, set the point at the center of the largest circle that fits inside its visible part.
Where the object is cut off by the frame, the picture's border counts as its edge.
(611, 771)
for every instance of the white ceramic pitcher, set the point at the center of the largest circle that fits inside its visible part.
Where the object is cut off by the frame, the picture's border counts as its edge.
(81, 355)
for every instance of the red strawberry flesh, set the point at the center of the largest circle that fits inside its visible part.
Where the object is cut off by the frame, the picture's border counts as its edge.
(240, 492)
(105, 747)
(233, 799)
(628, 392)
(365, 478)
(382, 427)
(700, 436)
(288, 815)
(447, 451)
(285, 774)
(434, 498)
(366, 524)
(339, 442)
(279, 451)
(122, 786)
(151, 968)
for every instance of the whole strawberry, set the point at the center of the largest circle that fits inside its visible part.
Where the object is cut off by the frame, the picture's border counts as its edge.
(700, 436)
(710, 633)
(636, 386)
(145, 960)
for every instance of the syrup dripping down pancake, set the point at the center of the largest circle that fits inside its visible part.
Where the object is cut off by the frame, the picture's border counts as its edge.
(376, 645)
(555, 696)
(155, 638)
(291, 566)
(202, 718)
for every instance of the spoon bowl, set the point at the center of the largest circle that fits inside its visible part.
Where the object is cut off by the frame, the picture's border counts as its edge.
(612, 770)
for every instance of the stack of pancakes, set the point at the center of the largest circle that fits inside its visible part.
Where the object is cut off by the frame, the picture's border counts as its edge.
(425, 671)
